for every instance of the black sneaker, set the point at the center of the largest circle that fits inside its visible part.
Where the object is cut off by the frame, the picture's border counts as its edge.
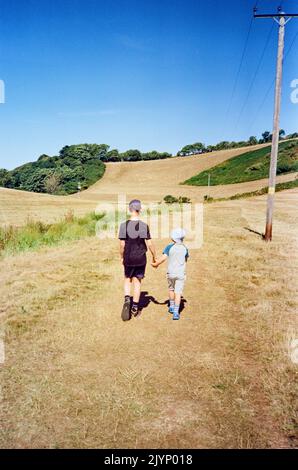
(125, 314)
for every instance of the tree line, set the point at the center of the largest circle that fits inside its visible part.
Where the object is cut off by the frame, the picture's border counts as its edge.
(79, 166)
(74, 169)
(199, 147)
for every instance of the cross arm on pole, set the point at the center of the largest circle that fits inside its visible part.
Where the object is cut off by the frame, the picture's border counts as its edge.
(276, 15)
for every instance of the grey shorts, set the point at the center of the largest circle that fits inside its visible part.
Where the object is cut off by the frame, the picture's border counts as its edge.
(176, 284)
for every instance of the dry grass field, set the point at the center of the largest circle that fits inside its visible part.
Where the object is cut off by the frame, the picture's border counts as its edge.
(225, 376)
(150, 181)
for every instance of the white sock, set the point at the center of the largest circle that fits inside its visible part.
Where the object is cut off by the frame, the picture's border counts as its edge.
(176, 309)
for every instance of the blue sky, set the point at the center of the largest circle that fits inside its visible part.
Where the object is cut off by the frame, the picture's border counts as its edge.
(135, 74)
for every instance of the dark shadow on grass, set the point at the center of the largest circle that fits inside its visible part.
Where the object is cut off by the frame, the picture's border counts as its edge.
(254, 231)
(146, 300)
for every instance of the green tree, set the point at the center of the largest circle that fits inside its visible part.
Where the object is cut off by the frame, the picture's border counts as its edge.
(222, 145)
(52, 183)
(3, 176)
(112, 156)
(192, 149)
(83, 152)
(293, 136)
(132, 155)
(252, 140)
(266, 136)
(35, 182)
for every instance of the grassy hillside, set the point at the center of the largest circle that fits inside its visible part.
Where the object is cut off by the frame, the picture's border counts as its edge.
(249, 166)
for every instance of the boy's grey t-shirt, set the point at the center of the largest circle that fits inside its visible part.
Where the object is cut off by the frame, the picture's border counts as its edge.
(177, 254)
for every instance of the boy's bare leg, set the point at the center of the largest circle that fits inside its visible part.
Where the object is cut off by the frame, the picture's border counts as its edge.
(127, 286)
(136, 289)
(176, 314)
(126, 315)
(171, 295)
(171, 301)
(177, 299)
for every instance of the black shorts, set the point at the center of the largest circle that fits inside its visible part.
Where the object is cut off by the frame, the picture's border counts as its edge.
(135, 271)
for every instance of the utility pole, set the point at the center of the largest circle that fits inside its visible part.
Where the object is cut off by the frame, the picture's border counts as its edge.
(281, 19)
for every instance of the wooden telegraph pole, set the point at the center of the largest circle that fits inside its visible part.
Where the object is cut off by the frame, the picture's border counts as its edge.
(282, 19)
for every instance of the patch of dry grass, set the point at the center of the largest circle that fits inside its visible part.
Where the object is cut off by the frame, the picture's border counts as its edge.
(76, 376)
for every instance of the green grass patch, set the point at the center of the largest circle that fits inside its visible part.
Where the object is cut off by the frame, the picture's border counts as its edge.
(36, 234)
(249, 166)
(259, 192)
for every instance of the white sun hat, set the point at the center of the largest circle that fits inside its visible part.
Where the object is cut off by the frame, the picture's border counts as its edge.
(178, 234)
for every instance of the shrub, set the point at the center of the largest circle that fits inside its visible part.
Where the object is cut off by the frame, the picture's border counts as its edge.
(174, 200)
(283, 168)
(184, 200)
(170, 199)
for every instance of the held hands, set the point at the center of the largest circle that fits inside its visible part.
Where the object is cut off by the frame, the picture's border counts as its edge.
(154, 263)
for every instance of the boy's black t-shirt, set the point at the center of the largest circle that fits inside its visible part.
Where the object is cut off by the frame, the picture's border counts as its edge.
(134, 232)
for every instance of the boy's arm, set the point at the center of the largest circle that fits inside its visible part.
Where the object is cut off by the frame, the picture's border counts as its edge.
(152, 249)
(159, 261)
(122, 246)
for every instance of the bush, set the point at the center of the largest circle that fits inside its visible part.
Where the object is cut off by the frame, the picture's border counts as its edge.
(174, 200)
(170, 199)
(184, 200)
(283, 168)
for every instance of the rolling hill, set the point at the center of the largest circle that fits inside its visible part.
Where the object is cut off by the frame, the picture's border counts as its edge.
(249, 166)
(148, 180)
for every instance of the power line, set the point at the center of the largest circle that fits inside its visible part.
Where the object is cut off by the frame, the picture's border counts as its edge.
(272, 84)
(241, 62)
(240, 66)
(255, 75)
(291, 45)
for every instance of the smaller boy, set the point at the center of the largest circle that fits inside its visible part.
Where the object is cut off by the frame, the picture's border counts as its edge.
(177, 255)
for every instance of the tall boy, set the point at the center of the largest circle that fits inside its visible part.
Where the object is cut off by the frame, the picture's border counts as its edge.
(135, 239)
(177, 255)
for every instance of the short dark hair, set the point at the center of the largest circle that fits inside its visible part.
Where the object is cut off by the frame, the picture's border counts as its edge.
(135, 205)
